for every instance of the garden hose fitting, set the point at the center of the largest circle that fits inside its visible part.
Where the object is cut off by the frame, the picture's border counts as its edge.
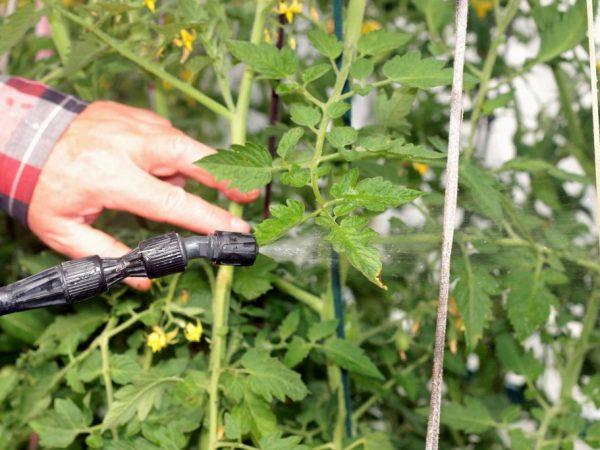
(80, 279)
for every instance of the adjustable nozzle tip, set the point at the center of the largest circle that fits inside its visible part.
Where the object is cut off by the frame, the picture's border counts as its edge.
(223, 248)
(234, 249)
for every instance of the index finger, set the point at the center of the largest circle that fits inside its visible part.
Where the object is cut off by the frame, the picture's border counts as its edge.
(176, 150)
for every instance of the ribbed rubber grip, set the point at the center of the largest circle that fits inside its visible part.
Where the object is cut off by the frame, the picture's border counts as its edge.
(163, 255)
(83, 278)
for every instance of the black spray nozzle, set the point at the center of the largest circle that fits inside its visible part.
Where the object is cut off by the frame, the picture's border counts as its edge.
(223, 248)
(77, 280)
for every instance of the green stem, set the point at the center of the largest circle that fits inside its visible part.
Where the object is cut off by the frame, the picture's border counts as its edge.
(161, 103)
(565, 92)
(150, 66)
(104, 351)
(224, 276)
(314, 302)
(488, 66)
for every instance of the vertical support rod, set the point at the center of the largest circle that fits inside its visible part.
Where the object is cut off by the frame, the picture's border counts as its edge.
(594, 89)
(336, 286)
(452, 170)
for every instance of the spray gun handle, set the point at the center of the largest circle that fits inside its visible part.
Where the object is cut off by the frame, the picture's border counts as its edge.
(80, 279)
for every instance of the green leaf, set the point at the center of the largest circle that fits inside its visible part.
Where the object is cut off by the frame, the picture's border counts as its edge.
(297, 350)
(483, 191)
(190, 11)
(559, 32)
(380, 41)
(270, 378)
(392, 112)
(377, 441)
(8, 380)
(17, 25)
(26, 326)
(82, 53)
(472, 293)
(412, 70)
(256, 416)
(528, 302)
(374, 194)
(60, 426)
(472, 417)
(350, 357)
(535, 165)
(362, 68)
(68, 331)
(265, 59)
(413, 152)
(437, 13)
(296, 176)
(288, 141)
(377, 194)
(289, 325)
(513, 358)
(315, 72)
(91, 367)
(254, 281)
(304, 115)
(321, 330)
(167, 437)
(283, 218)
(124, 368)
(233, 424)
(274, 442)
(352, 238)
(337, 109)
(340, 137)
(246, 167)
(137, 399)
(326, 44)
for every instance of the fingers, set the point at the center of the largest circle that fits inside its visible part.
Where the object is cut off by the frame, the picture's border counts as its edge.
(173, 149)
(84, 240)
(156, 200)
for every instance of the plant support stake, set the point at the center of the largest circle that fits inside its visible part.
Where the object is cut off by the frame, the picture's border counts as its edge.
(594, 89)
(452, 168)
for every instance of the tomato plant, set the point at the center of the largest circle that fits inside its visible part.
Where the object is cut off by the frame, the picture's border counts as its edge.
(252, 358)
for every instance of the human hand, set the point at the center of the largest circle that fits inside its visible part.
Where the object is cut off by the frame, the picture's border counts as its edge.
(117, 157)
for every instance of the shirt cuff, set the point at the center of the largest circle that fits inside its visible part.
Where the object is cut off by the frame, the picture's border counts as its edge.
(34, 117)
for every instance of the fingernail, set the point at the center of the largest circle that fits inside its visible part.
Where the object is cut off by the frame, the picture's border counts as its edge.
(239, 225)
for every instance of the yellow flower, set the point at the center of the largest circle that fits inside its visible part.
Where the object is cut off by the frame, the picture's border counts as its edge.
(267, 35)
(421, 168)
(289, 10)
(193, 332)
(370, 25)
(482, 7)
(292, 42)
(185, 40)
(314, 14)
(150, 4)
(158, 339)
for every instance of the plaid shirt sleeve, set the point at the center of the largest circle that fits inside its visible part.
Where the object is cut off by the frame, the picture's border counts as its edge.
(32, 119)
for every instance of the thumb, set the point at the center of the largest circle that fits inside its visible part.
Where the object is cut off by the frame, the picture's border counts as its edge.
(84, 240)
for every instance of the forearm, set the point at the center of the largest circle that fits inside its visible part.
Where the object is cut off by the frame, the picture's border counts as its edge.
(33, 118)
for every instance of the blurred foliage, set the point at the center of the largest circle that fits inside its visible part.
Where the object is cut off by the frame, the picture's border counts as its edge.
(523, 310)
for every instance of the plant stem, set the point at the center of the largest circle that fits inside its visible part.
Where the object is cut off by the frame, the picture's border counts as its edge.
(299, 294)
(488, 66)
(224, 276)
(106, 370)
